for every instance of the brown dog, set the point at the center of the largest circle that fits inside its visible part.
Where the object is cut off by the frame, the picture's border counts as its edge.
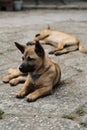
(43, 73)
(62, 42)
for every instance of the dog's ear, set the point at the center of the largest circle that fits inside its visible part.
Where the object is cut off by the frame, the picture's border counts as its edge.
(39, 50)
(48, 27)
(20, 47)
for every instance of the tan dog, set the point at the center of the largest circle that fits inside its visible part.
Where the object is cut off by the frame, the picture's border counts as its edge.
(62, 42)
(43, 73)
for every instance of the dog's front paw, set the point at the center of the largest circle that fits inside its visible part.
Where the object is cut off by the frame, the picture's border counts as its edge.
(57, 53)
(13, 82)
(31, 98)
(21, 94)
(51, 52)
(30, 43)
(6, 79)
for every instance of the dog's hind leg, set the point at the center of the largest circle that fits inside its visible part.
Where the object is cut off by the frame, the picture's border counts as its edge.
(66, 42)
(15, 81)
(66, 50)
(12, 75)
(60, 47)
(11, 70)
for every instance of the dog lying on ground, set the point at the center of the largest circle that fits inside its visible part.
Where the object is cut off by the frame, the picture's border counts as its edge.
(62, 42)
(42, 73)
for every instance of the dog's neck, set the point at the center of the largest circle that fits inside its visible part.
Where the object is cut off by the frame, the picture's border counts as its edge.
(36, 76)
(43, 68)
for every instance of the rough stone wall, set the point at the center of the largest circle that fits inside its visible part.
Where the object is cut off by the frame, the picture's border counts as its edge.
(74, 1)
(51, 2)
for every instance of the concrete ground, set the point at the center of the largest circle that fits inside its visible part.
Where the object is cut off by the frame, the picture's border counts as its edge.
(66, 108)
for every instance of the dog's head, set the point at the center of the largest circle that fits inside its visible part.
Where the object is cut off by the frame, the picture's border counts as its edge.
(40, 36)
(43, 34)
(32, 57)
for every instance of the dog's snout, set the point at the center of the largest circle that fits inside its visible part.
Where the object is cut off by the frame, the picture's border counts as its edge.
(21, 67)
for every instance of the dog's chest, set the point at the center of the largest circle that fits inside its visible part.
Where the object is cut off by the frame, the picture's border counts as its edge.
(36, 80)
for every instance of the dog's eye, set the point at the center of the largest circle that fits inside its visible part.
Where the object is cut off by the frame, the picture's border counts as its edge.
(30, 59)
(22, 57)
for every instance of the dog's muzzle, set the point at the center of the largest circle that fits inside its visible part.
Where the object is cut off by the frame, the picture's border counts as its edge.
(26, 68)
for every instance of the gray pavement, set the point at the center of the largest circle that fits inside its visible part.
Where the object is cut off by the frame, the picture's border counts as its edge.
(46, 113)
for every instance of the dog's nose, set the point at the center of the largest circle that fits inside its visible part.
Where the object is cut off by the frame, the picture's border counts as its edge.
(20, 67)
(23, 68)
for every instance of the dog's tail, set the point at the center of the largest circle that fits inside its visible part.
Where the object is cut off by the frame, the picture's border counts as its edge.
(81, 48)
